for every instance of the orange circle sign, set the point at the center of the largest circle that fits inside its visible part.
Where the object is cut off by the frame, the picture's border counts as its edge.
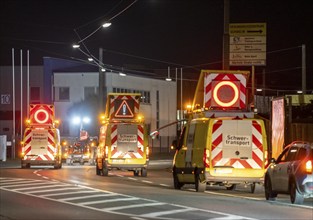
(40, 119)
(216, 90)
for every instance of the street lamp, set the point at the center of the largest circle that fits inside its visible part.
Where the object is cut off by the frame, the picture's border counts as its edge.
(80, 121)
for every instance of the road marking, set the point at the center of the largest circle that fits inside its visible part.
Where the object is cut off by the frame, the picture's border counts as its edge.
(109, 201)
(131, 178)
(134, 206)
(39, 187)
(49, 190)
(170, 212)
(235, 196)
(81, 197)
(165, 185)
(172, 209)
(66, 193)
(146, 181)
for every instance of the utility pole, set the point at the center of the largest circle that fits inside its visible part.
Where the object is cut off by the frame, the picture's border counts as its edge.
(303, 70)
(226, 36)
(101, 82)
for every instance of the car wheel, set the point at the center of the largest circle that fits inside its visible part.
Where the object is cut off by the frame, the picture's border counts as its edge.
(177, 184)
(199, 185)
(136, 172)
(295, 196)
(105, 170)
(269, 194)
(252, 188)
(143, 172)
(231, 187)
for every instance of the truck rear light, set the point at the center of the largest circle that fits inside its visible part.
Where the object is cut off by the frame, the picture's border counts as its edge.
(147, 152)
(106, 151)
(206, 158)
(266, 159)
(308, 166)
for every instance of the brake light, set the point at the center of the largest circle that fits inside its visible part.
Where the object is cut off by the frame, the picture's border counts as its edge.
(206, 160)
(308, 166)
(265, 159)
(106, 151)
(147, 152)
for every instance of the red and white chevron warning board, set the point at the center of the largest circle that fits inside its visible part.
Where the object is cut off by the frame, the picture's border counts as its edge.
(123, 106)
(39, 144)
(225, 90)
(41, 114)
(120, 143)
(244, 150)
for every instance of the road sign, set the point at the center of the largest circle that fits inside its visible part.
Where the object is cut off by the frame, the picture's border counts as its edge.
(247, 29)
(247, 44)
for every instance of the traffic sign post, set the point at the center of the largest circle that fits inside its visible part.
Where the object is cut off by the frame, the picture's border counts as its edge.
(247, 44)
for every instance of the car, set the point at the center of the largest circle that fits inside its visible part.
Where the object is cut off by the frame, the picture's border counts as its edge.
(291, 173)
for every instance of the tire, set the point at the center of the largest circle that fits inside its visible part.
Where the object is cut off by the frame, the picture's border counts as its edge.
(200, 186)
(252, 188)
(232, 187)
(295, 196)
(177, 184)
(143, 172)
(136, 172)
(269, 194)
(97, 170)
(105, 170)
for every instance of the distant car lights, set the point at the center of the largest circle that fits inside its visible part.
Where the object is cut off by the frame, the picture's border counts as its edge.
(226, 94)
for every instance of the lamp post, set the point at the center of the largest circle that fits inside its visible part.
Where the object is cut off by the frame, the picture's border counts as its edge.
(80, 121)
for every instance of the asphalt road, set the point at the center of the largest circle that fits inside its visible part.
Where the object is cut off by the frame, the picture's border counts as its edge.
(76, 192)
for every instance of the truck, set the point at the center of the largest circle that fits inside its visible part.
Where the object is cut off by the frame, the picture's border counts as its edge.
(223, 142)
(41, 140)
(123, 137)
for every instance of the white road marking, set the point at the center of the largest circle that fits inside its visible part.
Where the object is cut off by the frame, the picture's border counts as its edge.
(66, 193)
(109, 200)
(165, 185)
(134, 206)
(146, 181)
(81, 197)
(39, 187)
(169, 212)
(50, 190)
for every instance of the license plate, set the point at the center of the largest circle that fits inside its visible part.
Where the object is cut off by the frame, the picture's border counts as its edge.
(223, 171)
(118, 161)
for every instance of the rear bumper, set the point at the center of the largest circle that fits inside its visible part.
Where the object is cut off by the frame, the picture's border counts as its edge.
(39, 162)
(234, 180)
(127, 166)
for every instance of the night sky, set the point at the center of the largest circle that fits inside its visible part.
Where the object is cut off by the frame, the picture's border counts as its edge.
(155, 34)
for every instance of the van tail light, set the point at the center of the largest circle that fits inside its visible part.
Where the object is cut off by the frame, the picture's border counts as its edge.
(308, 166)
(206, 158)
(266, 159)
(106, 151)
(147, 152)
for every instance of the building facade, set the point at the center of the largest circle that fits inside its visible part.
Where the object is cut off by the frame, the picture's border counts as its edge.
(66, 83)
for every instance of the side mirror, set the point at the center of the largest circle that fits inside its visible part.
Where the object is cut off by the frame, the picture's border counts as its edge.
(154, 134)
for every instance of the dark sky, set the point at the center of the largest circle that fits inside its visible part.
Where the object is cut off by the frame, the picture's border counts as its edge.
(159, 33)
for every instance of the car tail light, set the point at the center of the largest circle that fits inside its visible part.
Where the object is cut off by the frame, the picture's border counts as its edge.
(266, 159)
(308, 166)
(206, 157)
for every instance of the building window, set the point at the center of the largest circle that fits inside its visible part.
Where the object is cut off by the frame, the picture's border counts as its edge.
(35, 94)
(64, 94)
(89, 91)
